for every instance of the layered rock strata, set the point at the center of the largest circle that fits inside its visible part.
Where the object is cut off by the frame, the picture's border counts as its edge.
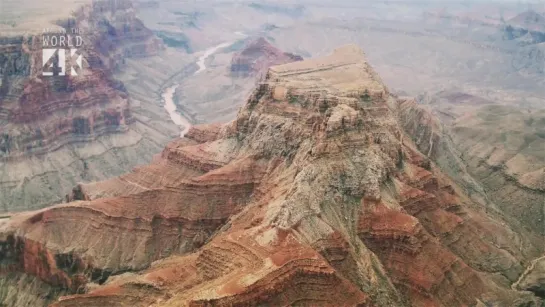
(53, 129)
(315, 195)
(492, 151)
(257, 56)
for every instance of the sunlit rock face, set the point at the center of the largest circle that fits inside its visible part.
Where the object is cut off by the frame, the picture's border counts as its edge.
(315, 195)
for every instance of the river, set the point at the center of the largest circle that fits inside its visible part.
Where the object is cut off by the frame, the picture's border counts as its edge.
(179, 120)
(168, 94)
(207, 53)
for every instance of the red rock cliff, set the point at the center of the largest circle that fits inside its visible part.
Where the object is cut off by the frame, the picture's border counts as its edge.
(41, 113)
(314, 195)
(54, 128)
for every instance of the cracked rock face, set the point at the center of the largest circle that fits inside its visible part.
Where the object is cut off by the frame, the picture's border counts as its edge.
(314, 195)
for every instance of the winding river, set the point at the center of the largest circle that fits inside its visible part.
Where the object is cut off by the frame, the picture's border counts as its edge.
(208, 53)
(177, 118)
(168, 94)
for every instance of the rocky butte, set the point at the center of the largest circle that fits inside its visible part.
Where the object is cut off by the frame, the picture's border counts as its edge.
(257, 56)
(315, 195)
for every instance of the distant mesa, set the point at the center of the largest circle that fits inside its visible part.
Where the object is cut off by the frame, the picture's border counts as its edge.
(257, 56)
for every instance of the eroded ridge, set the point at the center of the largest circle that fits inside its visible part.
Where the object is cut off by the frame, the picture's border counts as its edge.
(315, 195)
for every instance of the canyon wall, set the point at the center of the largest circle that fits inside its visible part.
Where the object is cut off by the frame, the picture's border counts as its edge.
(59, 130)
(315, 195)
(492, 151)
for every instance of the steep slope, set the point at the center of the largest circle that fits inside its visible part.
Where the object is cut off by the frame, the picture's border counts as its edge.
(59, 130)
(495, 151)
(315, 195)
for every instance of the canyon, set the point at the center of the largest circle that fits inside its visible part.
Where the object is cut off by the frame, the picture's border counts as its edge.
(324, 189)
(168, 95)
(193, 173)
(170, 106)
(61, 130)
(233, 71)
